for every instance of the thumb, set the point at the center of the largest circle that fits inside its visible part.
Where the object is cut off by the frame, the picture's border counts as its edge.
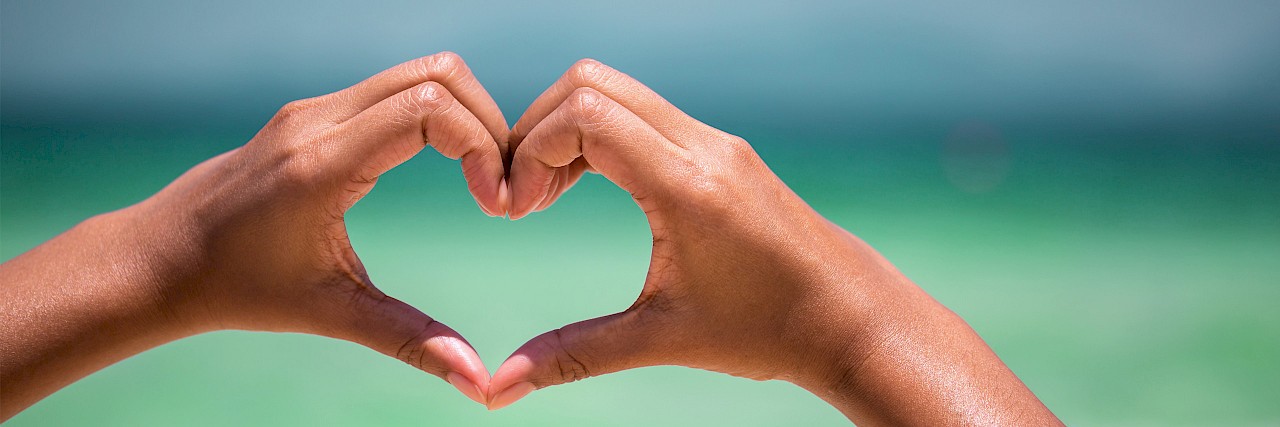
(396, 329)
(580, 350)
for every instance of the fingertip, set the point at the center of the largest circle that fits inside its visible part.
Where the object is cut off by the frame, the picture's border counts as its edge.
(493, 202)
(515, 369)
(486, 207)
(518, 208)
(450, 353)
(467, 387)
(504, 197)
(510, 395)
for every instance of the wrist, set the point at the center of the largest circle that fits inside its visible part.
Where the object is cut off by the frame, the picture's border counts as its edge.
(859, 306)
(163, 264)
(840, 347)
(833, 339)
(887, 353)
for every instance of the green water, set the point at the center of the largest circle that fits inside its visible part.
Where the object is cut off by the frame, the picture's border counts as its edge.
(1128, 280)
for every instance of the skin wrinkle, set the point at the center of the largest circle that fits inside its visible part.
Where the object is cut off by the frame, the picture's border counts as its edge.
(252, 239)
(576, 369)
(745, 277)
(767, 287)
(461, 142)
(413, 351)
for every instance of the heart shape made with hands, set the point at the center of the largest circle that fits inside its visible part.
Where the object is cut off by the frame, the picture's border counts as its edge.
(536, 174)
(744, 277)
(690, 179)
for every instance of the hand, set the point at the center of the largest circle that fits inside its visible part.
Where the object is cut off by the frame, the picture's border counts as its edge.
(254, 239)
(745, 278)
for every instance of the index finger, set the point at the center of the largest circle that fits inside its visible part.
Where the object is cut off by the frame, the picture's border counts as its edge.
(397, 128)
(612, 139)
(668, 120)
(445, 68)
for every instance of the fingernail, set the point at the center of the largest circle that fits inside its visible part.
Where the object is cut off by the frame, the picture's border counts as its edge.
(465, 386)
(511, 395)
(504, 197)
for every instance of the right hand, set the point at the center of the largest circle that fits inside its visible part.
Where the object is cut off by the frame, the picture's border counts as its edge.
(745, 278)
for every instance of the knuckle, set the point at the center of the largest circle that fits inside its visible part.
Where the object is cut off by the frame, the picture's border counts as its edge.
(587, 71)
(738, 148)
(301, 168)
(295, 110)
(585, 98)
(445, 63)
(410, 354)
(589, 104)
(419, 350)
(430, 358)
(429, 96)
(735, 142)
(300, 160)
(569, 363)
(713, 188)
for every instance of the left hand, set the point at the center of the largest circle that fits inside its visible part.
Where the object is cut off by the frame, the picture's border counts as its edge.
(266, 220)
(254, 239)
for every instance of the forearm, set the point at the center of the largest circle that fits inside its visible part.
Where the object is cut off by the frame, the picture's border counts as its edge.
(76, 304)
(918, 363)
(931, 369)
(908, 360)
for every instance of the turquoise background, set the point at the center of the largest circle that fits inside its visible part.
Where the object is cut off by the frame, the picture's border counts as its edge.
(1094, 186)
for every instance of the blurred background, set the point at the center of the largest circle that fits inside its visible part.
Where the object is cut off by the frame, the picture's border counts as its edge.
(1093, 185)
